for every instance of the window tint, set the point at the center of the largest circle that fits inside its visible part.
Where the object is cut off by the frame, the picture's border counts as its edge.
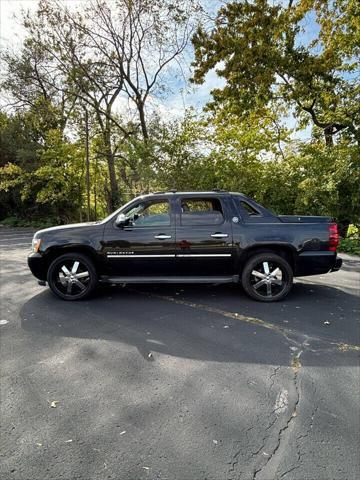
(149, 214)
(201, 211)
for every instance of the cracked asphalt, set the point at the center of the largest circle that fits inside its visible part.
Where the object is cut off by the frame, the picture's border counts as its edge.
(175, 382)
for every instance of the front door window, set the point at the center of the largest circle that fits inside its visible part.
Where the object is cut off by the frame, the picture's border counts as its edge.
(149, 214)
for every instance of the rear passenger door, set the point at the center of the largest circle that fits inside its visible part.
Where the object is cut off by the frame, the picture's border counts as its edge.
(204, 245)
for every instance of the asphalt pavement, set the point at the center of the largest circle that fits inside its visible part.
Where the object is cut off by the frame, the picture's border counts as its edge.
(174, 382)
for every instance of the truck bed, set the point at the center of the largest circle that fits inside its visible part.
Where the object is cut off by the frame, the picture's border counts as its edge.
(304, 219)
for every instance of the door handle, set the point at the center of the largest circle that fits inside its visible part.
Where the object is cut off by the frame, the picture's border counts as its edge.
(219, 235)
(162, 236)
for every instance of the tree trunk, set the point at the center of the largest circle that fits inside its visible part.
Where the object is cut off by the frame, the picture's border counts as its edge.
(328, 132)
(114, 200)
(141, 109)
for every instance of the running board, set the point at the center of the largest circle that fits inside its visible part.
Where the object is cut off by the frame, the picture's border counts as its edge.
(203, 279)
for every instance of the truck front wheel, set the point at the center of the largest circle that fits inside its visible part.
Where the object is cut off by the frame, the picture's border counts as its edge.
(267, 277)
(72, 276)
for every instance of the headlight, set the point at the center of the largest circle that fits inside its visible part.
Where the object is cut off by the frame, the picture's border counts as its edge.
(36, 242)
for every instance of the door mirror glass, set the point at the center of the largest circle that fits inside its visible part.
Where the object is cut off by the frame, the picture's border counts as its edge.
(121, 220)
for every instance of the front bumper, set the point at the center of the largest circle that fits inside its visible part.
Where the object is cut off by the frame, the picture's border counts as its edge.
(316, 263)
(37, 265)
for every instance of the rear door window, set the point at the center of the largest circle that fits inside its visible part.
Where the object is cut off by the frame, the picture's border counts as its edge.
(201, 211)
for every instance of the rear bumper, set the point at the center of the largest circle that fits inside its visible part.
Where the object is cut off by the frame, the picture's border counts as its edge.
(337, 266)
(316, 263)
(37, 265)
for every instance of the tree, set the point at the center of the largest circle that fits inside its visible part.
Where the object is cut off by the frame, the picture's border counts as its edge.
(258, 48)
(105, 56)
(54, 182)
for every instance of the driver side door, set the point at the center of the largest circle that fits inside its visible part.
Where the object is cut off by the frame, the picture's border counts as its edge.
(145, 244)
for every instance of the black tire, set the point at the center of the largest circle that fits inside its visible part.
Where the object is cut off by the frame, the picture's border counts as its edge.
(273, 279)
(72, 276)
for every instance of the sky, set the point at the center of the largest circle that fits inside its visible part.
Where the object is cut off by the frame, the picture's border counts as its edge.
(180, 98)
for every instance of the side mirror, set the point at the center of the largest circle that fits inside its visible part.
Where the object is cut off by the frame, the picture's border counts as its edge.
(121, 220)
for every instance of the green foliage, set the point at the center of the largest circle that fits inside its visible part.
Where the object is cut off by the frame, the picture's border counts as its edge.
(59, 178)
(21, 222)
(351, 244)
(258, 49)
(51, 182)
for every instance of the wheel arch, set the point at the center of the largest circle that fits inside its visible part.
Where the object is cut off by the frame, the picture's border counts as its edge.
(287, 252)
(57, 251)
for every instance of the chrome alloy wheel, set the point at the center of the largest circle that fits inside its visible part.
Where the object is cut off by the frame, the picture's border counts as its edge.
(71, 278)
(267, 279)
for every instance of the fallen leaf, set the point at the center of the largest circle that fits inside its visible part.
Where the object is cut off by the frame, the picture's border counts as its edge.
(122, 433)
(326, 322)
(54, 403)
(68, 441)
(146, 468)
(39, 444)
(215, 442)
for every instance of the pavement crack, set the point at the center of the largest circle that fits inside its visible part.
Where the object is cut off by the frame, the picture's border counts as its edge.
(295, 366)
(297, 463)
(274, 418)
(272, 377)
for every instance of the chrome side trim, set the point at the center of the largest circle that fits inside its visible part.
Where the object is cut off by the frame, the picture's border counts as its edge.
(141, 256)
(184, 255)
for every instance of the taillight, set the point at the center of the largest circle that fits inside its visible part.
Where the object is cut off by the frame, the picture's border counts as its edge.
(333, 237)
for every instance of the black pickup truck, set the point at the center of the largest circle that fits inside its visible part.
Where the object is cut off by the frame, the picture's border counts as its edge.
(192, 237)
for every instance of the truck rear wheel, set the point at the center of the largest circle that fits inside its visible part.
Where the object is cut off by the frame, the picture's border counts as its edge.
(72, 276)
(267, 277)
